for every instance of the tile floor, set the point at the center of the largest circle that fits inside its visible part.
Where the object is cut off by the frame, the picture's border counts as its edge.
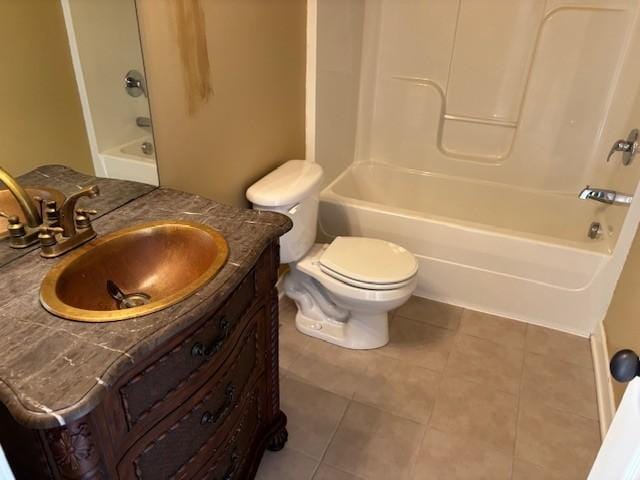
(455, 395)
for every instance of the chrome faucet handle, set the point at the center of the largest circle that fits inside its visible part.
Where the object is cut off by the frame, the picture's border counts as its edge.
(628, 147)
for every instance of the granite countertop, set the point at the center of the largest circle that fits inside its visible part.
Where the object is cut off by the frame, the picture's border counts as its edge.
(53, 371)
(113, 194)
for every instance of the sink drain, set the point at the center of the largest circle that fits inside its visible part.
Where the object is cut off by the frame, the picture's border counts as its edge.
(126, 300)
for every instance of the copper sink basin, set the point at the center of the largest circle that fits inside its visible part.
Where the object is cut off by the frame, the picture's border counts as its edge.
(9, 206)
(134, 272)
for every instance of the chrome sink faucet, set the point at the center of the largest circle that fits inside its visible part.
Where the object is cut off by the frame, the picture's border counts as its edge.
(610, 197)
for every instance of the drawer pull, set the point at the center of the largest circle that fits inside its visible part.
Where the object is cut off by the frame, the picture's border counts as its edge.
(233, 467)
(199, 350)
(229, 398)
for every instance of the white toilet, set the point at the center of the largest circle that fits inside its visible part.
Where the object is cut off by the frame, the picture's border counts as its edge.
(345, 289)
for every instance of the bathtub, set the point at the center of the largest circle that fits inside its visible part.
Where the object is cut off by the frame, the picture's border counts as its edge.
(130, 162)
(518, 253)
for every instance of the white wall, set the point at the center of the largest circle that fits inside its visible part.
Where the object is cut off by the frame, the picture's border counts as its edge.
(108, 43)
(338, 57)
(501, 90)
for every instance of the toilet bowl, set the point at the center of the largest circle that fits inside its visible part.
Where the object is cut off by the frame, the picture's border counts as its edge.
(344, 290)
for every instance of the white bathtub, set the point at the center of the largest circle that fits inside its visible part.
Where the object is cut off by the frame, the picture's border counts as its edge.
(513, 252)
(129, 162)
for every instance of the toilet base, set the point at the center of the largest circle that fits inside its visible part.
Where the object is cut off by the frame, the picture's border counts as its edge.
(321, 317)
(336, 312)
(359, 332)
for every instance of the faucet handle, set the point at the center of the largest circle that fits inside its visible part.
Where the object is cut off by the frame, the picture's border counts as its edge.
(51, 215)
(41, 203)
(15, 227)
(618, 146)
(629, 147)
(47, 235)
(86, 211)
(83, 219)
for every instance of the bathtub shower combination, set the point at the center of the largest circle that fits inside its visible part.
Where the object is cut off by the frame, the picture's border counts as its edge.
(464, 130)
(133, 160)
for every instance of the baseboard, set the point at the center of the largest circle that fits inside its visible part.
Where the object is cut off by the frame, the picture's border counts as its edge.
(604, 388)
(481, 309)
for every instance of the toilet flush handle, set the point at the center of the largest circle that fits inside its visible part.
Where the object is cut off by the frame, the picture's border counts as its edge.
(293, 209)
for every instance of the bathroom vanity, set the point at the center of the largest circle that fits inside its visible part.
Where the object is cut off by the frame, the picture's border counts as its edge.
(190, 391)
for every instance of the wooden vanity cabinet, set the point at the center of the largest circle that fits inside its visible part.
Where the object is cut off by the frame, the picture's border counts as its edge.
(203, 405)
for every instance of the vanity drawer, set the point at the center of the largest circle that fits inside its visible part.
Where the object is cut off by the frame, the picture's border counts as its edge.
(160, 382)
(181, 443)
(234, 452)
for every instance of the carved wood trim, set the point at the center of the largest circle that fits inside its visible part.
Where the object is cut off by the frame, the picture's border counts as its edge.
(273, 372)
(74, 452)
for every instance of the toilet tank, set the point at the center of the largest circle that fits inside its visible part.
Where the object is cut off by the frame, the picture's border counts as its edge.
(291, 189)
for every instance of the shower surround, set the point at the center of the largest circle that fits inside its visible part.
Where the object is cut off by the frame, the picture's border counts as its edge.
(464, 130)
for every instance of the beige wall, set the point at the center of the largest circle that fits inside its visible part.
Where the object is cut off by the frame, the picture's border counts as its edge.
(254, 118)
(40, 115)
(622, 323)
(109, 46)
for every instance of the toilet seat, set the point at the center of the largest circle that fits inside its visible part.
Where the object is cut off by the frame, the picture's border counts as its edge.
(368, 263)
(310, 265)
(365, 285)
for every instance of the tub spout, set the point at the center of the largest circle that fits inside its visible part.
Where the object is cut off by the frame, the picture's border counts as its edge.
(610, 197)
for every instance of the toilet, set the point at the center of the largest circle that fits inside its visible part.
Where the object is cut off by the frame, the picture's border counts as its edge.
(344, 290)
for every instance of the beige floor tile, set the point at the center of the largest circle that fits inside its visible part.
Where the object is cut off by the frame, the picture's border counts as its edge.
(504, 331)
(560, 385)
(447, 456)
(287, 307)
(374, 444)
(312, 416)
(399, 388)
(326, 472)
(330, 367)
(523, 470)
(478, 411)
(423, 345)
(483, 361)
(570, 348)
(557, 441)
(287, 464)
(431, 312)
(292, 342)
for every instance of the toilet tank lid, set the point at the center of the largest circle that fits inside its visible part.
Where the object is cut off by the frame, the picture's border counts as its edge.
(288, 184)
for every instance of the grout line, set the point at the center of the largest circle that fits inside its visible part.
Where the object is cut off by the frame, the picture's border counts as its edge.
(478, 381)
(518, 410)
(333, 434)
(414, 457)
